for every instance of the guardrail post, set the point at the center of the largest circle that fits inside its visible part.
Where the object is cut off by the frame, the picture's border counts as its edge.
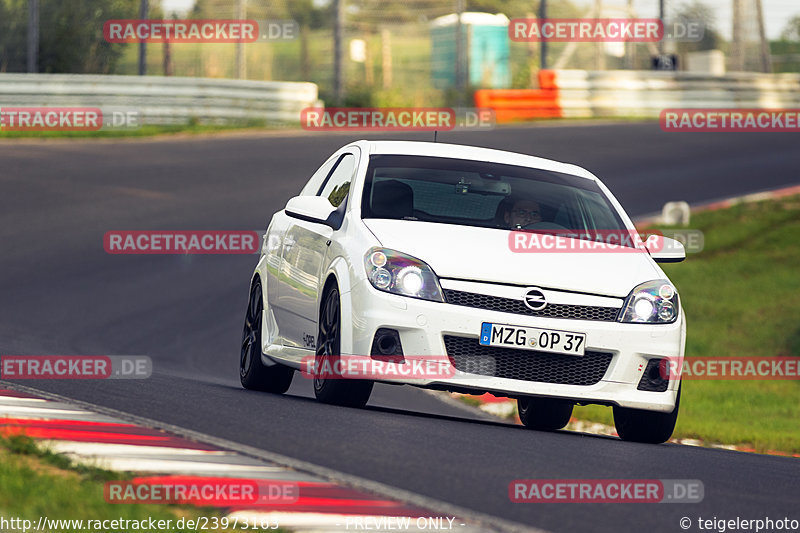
(143, 9)
(338, 36)
(33, 36)
(241, 57)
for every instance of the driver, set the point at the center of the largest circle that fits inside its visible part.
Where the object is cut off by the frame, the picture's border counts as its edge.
(522, 213)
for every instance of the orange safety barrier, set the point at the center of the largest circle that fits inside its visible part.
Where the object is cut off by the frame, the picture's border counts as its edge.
(547, 79)
(520, 104)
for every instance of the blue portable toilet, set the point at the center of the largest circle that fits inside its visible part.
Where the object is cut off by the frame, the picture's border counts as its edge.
(485, 42)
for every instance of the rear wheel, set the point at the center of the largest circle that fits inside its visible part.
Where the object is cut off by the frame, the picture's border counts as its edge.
(335, 390)
(545, 414)
(252, 372)
(638, 425)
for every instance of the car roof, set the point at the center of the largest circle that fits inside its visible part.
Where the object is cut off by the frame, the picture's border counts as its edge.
(461, 151)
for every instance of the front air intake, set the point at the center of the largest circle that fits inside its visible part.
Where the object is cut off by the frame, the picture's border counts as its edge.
(386, 346)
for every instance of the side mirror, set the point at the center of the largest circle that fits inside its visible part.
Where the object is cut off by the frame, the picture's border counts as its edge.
(312, 209)
(666, 250)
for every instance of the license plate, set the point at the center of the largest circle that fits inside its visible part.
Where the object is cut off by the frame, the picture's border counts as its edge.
(541, 340)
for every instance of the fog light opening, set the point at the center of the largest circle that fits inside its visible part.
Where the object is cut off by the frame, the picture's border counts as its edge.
(386, 345)
(656, 376)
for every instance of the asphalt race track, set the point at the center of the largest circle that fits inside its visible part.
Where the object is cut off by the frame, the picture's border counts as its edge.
(60, 293)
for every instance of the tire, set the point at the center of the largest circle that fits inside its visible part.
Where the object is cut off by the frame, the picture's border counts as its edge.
(252, 372)
(638, 425)
(544, 414)
(344, 392)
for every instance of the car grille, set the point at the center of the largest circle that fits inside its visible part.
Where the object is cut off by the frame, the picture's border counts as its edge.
(468, 355)
(517, 306)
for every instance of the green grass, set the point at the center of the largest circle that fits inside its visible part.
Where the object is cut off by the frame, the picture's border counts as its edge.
(470, 400)
(35, 482)
(22, 445)
(741, 295)
(191, 128)
(194, 128)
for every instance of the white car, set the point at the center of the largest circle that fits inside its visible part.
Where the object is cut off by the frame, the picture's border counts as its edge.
(398, 250)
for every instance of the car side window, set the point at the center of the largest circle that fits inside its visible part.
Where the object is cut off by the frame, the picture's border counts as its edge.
(338, 185)
(315, 182)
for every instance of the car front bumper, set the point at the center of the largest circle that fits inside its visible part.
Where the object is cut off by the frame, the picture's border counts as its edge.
(422, 326)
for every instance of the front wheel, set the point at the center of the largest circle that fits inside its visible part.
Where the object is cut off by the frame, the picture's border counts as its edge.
(546, 414)
(333, 389)
(652, 427)
(252, 372)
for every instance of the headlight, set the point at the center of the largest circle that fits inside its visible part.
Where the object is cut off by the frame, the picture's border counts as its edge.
(653, 302)
(402, 274)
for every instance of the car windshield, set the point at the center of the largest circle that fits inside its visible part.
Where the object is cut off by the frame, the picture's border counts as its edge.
(491, 195)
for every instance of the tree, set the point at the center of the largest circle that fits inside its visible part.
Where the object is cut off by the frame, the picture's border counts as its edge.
(13, 35)
(305, 13)
(786, 51)
(70, 35)
(698, 11)
(791, 32)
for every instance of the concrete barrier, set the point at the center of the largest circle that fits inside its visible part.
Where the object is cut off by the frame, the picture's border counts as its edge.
(630, 93)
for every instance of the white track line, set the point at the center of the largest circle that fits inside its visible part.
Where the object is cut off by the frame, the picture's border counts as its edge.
(245, 461)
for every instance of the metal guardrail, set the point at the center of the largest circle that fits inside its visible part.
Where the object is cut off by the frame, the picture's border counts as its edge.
(164, 100)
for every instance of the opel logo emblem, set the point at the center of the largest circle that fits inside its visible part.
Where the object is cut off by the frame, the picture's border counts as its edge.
(534, 299)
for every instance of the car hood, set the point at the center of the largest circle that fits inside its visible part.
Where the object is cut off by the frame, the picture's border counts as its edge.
(483, 254)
